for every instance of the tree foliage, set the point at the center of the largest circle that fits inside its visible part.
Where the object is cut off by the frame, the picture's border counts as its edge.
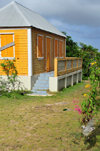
(72, 49)
(87, 52)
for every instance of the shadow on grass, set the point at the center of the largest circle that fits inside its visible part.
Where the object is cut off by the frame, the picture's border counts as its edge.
(91, 140)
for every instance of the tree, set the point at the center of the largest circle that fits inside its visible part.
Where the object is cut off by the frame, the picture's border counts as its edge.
(87, 52)
(72, 48)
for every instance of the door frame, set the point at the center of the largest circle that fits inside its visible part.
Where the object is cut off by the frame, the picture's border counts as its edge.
(50, 51)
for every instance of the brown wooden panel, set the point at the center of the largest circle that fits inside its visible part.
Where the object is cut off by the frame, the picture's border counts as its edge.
(40, 46)
(56, 48)
(60, 48)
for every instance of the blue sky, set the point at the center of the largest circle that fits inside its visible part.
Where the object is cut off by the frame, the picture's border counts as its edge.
(78, 18)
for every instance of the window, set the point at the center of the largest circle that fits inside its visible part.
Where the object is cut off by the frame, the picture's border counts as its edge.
(7, 46)
(60, 48)
(56, 48)
(40, 52)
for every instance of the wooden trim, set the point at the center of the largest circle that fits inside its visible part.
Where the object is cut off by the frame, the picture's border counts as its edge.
(7, 46)
(14, 45)
(46, 49)
(8, 33)
(55, 67)
(66, 71)
(29, 36)
(7, 58)
(65, 48)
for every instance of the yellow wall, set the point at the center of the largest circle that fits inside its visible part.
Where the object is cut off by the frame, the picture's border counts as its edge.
(21, 50)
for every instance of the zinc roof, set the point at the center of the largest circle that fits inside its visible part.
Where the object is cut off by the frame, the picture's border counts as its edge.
(16, 15)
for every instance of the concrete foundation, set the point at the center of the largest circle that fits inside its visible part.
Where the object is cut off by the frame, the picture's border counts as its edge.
(60, 82)
(25, 82)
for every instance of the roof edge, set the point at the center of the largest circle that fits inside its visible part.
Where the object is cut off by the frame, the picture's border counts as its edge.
(32, 27)
(21, 13)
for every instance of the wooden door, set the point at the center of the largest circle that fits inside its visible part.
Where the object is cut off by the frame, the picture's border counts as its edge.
(48, 47)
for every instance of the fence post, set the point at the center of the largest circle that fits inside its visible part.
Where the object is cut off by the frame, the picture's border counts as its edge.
(72, 64)
(56, 67)
(66, 65)
(77, 63)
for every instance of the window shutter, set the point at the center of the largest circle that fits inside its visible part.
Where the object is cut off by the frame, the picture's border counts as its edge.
(40, 46)
(56, 48)
(5, 40)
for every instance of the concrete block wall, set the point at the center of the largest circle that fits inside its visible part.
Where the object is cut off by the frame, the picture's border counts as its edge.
(60, 82)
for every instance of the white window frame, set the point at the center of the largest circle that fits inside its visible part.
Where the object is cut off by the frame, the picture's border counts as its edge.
(7, 58)
(40, 58)
(57, 47)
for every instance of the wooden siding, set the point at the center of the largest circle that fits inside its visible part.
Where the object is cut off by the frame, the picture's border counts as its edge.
(21, 50)
(40, 65)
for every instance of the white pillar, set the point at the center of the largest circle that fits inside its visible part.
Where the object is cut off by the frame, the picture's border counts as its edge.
(53, 84)
(72, 80)
(81, 76)
(77, 78)
(66, 82)
(29, 52)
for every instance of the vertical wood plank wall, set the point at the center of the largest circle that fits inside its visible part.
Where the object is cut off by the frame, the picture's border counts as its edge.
(39, 65)
(21, 50)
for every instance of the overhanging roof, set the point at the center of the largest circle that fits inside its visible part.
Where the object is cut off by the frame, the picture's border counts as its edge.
(16, 15)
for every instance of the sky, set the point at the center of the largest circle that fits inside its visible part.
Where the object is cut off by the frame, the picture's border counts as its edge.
(78, 18)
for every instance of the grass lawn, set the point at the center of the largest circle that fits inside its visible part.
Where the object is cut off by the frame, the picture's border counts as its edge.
(43, 123)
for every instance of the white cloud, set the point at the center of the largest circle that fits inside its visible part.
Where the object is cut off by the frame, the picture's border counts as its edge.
(78, 12)
(79, 18)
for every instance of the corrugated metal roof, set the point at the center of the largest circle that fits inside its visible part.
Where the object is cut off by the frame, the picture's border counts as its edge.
(16, 15)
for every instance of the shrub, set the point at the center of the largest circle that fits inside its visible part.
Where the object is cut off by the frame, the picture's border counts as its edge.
(89, 105)
(12, 83)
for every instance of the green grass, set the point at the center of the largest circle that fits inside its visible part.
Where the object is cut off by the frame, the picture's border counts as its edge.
(43, 123)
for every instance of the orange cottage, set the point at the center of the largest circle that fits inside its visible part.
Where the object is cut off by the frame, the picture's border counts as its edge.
(30, 40)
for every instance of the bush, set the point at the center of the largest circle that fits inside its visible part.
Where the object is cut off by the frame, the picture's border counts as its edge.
(9, 86)
(90, 104)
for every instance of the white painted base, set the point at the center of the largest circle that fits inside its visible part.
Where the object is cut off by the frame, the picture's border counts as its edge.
(58, 83)
(26, 83)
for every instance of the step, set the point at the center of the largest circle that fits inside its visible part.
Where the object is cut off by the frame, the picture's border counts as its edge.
(38, 88)
(41, 87)
(42, 83)
(43, 78)
(46, 75)
(41, 92)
